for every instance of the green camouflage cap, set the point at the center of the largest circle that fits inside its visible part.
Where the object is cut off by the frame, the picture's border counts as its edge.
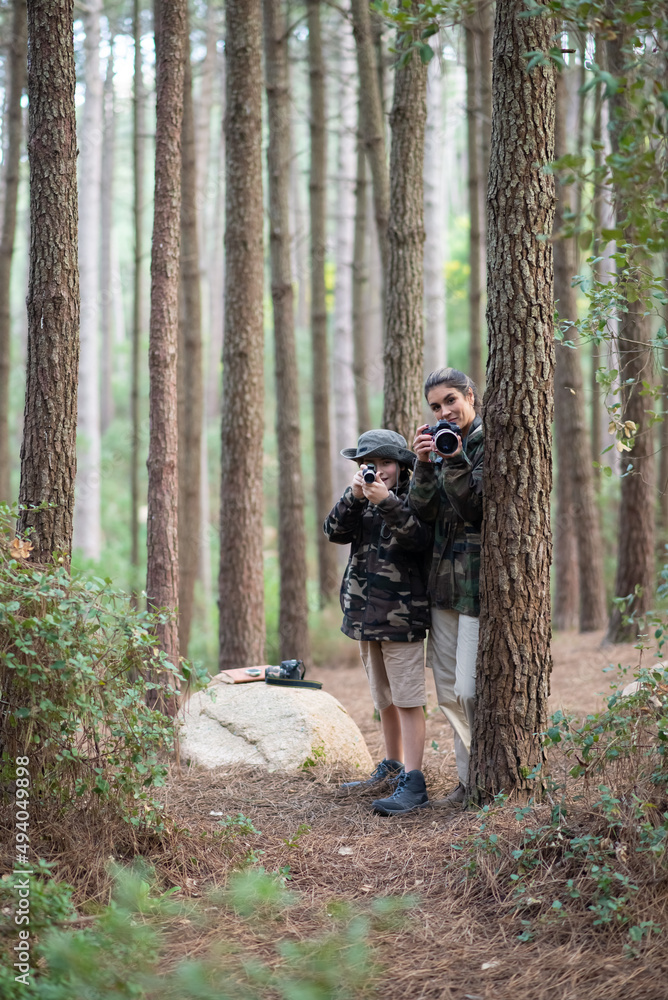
(382, 444)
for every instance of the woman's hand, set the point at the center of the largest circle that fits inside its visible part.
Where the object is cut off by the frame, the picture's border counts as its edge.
(423, 444)
(376, 491)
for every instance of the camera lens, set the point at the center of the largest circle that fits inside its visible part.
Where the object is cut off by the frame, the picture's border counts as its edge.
(446, 441)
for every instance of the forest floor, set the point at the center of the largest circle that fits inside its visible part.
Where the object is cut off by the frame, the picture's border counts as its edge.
(460, 939)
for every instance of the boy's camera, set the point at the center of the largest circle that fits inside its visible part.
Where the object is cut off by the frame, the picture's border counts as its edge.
(291, 670)
(445, 435)
(369, 473)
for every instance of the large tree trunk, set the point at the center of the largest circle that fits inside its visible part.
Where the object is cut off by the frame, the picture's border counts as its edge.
(435, 224)
(514, 656)
(360, 282)
(107, 289)
(475, 203)
(137, 310)
(327, 572)
(293, 610)
(241, 591)
(162, 576)
(635, 547)
(48, 452)
(577, 518)
(343, 381)
(13, 127)
(373, 126)
(404, 344)
(87, 524)
(190, 382)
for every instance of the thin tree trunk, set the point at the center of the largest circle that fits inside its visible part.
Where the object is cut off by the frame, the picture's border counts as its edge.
(217, 279)
(475, 235)
(578, 518)
(240, 580)
(373, 127)
(343, 380)
(13, 126)
(327, 571)
(435, 333)
(190, 381)
(48, 452)
(138, 220)
(162, 576)
(293, 609)
(597, 213)
(404, 343)
(360, 281)
(106, 277)
(514, 658)
(635, 551)
(87, 515)
(663, 475)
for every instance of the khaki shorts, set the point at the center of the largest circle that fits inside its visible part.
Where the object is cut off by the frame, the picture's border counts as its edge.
(396, 673)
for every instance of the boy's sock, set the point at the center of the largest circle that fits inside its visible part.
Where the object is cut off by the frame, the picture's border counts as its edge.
(384, 774)
(410, 793)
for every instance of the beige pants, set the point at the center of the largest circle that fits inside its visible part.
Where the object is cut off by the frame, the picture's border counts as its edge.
(452, 649)
(396, 673)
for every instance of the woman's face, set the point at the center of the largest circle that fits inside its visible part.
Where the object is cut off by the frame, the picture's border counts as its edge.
(447, 403)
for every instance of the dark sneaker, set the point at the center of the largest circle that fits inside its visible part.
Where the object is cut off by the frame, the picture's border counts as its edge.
(386, 773)
(410, 793)
(455, 800)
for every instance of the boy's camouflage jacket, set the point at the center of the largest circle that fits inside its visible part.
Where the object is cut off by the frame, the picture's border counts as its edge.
(449, 496)
(383, 592)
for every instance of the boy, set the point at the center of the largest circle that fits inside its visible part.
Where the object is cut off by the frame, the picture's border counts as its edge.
(385, 607)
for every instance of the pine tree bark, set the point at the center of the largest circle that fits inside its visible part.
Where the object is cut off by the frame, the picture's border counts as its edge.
(327, 571)
(514, 658)
(635, 546)
(162, 575)
(87, 514)
(404, 339)
(189, 368)
(16, 70)
(240, 580)
(293, 606)
(48, 452)
(475, 202)
(360, 281)
(107, 290)
(577, 515)
(137, 282)
(435, 331)
(373, 127)
(597, 213)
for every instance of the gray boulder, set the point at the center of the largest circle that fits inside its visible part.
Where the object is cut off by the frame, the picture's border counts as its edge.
(271, 727)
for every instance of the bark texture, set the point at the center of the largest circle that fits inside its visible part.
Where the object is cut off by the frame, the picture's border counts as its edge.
(635, 546)
(137, 310)
(372, 125)
(162, 576)
(577, 510)
(327, 571)
(108, 290)
(435, 224)
(293, 606)
(16, 69)
(404, 344)
(514, 658)
(475, 202)
(48, 452)
(241, 593)
(360, 282)
(87, 514)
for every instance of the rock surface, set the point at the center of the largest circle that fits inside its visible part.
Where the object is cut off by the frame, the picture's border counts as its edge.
(266, 726)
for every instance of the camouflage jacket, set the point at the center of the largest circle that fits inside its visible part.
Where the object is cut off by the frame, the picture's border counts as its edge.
(449, 496)
(384, 588)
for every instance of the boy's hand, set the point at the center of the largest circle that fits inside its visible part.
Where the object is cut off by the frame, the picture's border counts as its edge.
(423, 444)
(377, 491)
(357, 485)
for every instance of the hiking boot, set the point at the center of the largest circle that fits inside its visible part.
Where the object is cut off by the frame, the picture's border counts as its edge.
(410, 793)
(386, 773)
(455, 800)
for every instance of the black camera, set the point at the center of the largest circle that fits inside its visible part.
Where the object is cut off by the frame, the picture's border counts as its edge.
(369, 473)
(291, 670)
(446, 436)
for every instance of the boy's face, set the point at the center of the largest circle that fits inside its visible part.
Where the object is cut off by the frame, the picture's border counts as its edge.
(387, 469)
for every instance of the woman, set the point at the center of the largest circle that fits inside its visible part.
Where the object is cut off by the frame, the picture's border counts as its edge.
(446, 491)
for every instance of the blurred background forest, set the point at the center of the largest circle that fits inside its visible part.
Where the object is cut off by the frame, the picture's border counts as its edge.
(115, 98)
